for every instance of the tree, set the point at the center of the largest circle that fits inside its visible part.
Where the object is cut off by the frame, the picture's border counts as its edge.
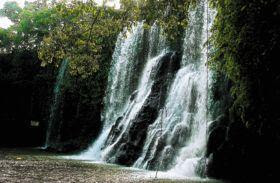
(11, 10)
(30, 25)
(172, 16)
(85, 32)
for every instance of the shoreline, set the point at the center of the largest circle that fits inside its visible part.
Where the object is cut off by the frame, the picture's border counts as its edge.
(33, 165)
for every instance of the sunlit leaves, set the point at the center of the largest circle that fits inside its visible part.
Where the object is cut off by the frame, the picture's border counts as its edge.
(244, 35)
(172, 16)
(11, 10)
(85, 33)
(30, 25)
(6, 40)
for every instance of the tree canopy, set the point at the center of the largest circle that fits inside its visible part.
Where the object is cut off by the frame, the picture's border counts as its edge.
(83, 32)
(82, 35)
(31, 23)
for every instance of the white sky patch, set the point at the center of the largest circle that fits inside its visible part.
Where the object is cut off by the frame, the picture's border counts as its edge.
(112, 3)
(5, 22)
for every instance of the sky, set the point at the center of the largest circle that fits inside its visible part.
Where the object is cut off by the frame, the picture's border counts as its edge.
(5, 22)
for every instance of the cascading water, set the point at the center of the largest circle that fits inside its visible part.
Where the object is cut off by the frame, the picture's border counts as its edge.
(155, 116)
(136, 52)
(119, 85)
(177, 139)
(188, 161)
(56, 100)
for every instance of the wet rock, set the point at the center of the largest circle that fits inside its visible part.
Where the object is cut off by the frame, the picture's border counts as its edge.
(217, 134)
(168, 155)
(128, 147)
(156, 162)
(182, 132)
(201, 167)
(133, 95)
(114, 133)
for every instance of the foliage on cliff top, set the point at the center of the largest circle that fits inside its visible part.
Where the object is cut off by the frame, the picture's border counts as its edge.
(83, 32)
(246, 39)
(86, 31)
(30, 25)
(172, 16)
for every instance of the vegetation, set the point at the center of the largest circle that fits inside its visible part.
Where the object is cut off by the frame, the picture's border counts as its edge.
(45, 33)
(246, 43)
(85, 33)
(30, 25)
(172, 16)
(246, 40)
(245, 37)
(25, 86)
(85, 30)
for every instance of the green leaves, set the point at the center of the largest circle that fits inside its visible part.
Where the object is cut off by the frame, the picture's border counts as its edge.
(172, 16)
(30, 25)
(6, 40)
(243, 34)
(84, 34)
(11, 10)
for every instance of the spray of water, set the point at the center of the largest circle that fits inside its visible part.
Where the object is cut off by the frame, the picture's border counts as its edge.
(56, 101)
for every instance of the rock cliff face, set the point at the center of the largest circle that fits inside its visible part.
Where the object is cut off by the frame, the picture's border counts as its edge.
(160, 124)
(129, 146)
(234, 151)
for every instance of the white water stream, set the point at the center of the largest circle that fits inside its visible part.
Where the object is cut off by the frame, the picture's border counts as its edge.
(176, 140)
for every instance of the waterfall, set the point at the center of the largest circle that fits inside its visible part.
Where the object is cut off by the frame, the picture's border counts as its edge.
(155, 113)
(190, 159)
(134, 64)
(177, 139)
(55, 104)
(122, 74)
